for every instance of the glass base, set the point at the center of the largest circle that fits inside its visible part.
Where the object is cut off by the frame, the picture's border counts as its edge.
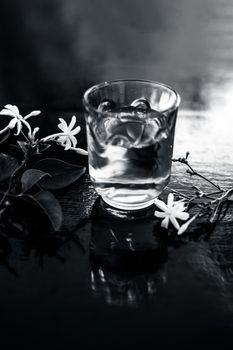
(128, 206)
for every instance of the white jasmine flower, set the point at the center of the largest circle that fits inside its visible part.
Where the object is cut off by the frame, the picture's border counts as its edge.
(17, 119)
(66, 138)
(171, 211)
(13, 112)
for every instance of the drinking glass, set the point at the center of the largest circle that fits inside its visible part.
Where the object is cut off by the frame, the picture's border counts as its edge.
(130, 135)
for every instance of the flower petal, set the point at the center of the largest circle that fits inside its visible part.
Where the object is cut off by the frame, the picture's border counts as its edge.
(32, 114)
(165, 222)
(179, 206)
(76, 130)
(174, 222)
(19, 127)
(5, 129)
(12, 123)
(7, 112)
(182, 216)
(63, 126)
(72, 123)
(62, 140)
(160, 214)
(73, 140)
(160, 204)
(184, 227)
(170, 200)
(80, 151)
(12, 108)
(68, 144)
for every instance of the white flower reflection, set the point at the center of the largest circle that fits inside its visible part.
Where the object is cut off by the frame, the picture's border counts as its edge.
(171, 211)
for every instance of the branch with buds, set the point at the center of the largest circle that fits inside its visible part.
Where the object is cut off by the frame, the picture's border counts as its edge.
(207, 205)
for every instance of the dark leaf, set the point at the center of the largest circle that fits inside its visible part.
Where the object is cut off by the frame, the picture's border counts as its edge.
(8, 165)
(4, 136)
(62, 173)
(50, 206)
(31, 177)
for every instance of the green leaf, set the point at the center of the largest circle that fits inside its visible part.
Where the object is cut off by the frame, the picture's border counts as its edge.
(8, 165)
(50, 206)
(4, 136)
(62, 173)
(31, 177)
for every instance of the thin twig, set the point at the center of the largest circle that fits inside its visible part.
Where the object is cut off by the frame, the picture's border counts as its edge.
(27, 139)
(194, 172)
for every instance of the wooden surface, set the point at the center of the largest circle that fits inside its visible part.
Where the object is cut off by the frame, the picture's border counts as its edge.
(59, 290)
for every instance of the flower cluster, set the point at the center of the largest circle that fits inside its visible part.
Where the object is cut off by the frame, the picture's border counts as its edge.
(66, 138)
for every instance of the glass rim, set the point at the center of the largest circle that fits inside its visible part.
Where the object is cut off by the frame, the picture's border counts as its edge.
(90, 107)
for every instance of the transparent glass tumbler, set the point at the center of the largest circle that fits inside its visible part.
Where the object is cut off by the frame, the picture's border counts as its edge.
(130, 134)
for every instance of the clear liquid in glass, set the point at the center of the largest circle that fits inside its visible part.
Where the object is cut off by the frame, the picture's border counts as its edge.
(130, 156)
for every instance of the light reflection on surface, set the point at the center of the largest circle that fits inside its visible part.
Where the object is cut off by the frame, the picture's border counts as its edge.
(128, 290)
(207, 133)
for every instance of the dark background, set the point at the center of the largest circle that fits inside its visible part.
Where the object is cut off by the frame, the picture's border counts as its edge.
(52, 50)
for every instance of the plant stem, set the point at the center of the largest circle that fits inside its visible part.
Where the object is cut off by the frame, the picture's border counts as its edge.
(26, 138)
(194, 172)
(203, 177)
(214, 193)
(179, 193)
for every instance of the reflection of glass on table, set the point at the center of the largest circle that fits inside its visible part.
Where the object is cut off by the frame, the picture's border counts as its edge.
(126, 289)
(127, 255)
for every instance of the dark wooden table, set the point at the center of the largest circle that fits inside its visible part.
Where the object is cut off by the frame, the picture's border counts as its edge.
(59, 293)
(56, 292)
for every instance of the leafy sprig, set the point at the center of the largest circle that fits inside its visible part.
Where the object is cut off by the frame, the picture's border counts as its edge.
(24, 180)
